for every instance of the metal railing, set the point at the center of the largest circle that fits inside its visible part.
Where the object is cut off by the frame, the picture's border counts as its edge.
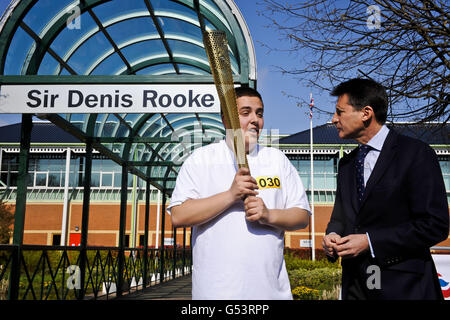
(70, 273)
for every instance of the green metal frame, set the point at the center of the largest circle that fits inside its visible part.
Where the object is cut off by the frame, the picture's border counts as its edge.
(91, 131)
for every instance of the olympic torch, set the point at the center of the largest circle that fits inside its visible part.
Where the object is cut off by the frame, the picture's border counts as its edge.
(216, 46)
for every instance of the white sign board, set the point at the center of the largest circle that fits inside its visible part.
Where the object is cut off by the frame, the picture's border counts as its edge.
(305, 243)
(168, 241)
(106, 98)
(442, 262)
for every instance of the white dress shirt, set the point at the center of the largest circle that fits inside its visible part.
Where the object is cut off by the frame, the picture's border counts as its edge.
(376, 143)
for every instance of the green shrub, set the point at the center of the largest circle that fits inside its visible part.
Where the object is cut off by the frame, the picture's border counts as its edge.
(305, 253)
(319, 279)
(304, 293)
(312, 280)
(294, 262)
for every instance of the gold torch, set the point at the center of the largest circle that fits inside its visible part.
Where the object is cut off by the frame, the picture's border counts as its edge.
(216, 46)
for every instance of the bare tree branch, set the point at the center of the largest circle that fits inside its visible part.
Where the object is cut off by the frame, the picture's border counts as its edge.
(401, 43)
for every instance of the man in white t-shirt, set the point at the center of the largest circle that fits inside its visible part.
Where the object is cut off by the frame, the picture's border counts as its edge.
(238, 220)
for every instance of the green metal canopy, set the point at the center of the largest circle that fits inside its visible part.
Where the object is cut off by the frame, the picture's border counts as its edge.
(126, 42)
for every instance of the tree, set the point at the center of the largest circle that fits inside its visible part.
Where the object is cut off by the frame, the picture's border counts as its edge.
(403, 44)
(6, 221)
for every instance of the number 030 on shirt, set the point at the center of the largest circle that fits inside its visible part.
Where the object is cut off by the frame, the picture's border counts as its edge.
(266, 182)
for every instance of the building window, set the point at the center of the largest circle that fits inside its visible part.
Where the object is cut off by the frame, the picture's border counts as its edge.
(46, 170)
(445, 168)
(106, 180)
(325, 171)
(40, 179)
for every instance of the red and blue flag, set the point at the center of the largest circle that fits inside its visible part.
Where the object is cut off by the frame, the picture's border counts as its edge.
(445, 286)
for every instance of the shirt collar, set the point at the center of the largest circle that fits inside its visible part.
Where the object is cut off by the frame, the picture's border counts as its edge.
(377, 140)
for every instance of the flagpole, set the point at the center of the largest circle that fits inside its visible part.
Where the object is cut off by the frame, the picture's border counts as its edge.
(313, 242)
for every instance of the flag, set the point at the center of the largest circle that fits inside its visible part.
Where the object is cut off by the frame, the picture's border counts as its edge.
(311, 106)
(445, 286)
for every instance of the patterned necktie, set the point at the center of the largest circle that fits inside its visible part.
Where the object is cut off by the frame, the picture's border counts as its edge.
(362, 152)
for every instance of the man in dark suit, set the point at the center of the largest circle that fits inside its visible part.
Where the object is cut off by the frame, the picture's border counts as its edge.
(391, 204)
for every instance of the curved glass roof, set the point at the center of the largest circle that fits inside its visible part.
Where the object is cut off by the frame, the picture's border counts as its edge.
(133, 41)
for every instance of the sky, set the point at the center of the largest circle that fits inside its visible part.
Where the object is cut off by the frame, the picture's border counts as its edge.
(282, 114)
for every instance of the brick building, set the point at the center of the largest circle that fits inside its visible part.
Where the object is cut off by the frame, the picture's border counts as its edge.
(49, 162)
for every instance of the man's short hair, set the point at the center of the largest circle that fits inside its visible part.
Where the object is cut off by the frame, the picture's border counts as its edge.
(247, 92)
(365, 92)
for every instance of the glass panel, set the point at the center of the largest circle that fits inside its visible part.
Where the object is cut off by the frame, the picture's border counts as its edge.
(113, 64)
(97, 165)
(145, 50)
(214, 9)
(445, 168)
(112, 9)
(163, 7)
(166, 131)
(13, 180)
(78, 120)
(48, 66)
(17, 52)
(43, 11)
(132, 118)
(146, 156)
(56, 164)
(186, 48)
(210, 5)
(171, 6)
(101, 118)
(107, 179)
(70, 36)
(212, 123)
(187, 69)
(304, 166)
(175, 26)
(54, 179)
(216, 134)
(41, 164)
(73, 180)
(130, 180)
(151, 130)
(122, 132)
(110, 165)
(109, 127)
(89, 52)
(41, 179)
(117, 179)
(7, 163)
(170, 185)
(185, 121)
(132, 29)
(64, 72)
(95, 179)
(159, 69)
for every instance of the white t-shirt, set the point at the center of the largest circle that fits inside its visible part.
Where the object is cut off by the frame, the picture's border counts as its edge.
(234, 258)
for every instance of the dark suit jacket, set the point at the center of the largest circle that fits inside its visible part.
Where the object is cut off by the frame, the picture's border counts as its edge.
(404, 211)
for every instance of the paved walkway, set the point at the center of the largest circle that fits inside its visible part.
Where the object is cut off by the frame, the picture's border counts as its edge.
(176, 289)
